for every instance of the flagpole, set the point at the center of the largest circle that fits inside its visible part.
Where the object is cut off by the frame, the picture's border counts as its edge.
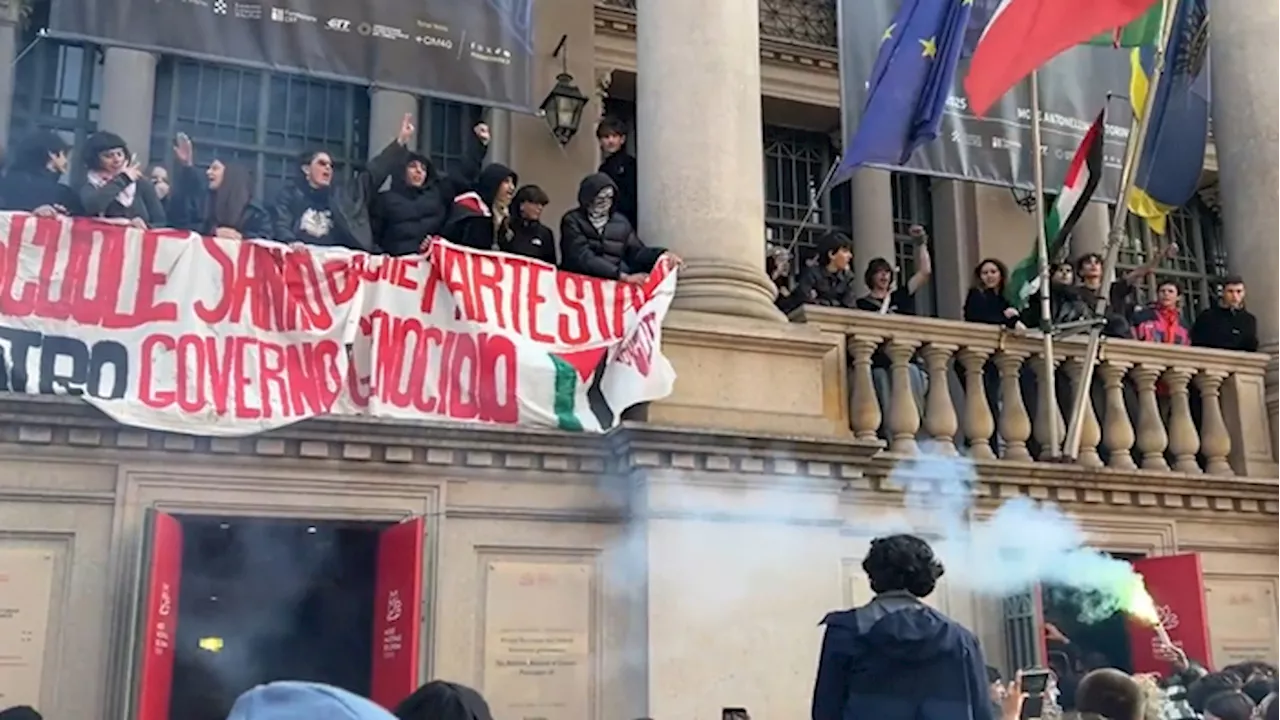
(1138, 129)
(1048, 383)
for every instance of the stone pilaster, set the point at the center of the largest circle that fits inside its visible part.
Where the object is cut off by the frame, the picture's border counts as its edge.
(128, 96)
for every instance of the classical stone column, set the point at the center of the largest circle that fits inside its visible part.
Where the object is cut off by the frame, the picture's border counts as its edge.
(1090, 233)
(387, 109)
(500, 137)
(1245, 105)
(704, 198)
(955, 248)
(872, 219)
(128, 96)
(8, 49)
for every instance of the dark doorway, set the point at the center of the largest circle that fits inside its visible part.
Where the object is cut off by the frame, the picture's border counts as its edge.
(263, 599)
(1086, 638)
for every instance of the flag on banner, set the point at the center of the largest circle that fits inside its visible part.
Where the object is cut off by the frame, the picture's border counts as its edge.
(1172, 155)
(1025, 34)
(1077, 188)
(1143, 31)
(909, 84)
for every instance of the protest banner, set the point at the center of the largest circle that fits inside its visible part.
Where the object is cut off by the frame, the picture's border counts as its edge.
(168, 330)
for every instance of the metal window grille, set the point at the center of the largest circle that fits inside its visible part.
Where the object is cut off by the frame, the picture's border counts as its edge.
(261, 120)
(913, 205)
(1199, 266)
(57, 86)
(795, 164)
(446, 132)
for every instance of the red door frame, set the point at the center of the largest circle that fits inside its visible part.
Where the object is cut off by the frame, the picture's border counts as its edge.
(397, 613)
(162, 571)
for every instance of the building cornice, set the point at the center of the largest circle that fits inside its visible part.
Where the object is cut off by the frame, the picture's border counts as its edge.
(54, 427)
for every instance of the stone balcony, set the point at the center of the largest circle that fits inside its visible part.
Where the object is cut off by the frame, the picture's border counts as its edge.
(1140, 418)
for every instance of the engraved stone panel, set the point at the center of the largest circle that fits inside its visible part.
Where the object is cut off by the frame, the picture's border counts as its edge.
(26, 589)
(538, 655)
(1242, 619)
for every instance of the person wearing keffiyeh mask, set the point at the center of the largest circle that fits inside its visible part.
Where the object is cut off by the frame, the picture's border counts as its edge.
(598, 241)
(112, 189)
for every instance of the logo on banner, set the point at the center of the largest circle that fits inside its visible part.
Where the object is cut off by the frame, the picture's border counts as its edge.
(338, 25)
(395, 606)
(220, 7)
(486, 53)
(248, 11)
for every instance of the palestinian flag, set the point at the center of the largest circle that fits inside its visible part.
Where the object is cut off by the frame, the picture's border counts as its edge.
(1077, 188)
(1140, 33)
(578, 400)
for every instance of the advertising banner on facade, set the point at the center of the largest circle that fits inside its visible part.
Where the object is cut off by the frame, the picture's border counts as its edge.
(996, 149)
(170, 331)
(474, 51)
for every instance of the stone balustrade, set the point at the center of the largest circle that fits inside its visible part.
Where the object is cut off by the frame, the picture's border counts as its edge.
(984, 395)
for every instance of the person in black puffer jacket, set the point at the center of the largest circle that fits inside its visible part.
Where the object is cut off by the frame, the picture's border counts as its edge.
(34, 181)
(320, 209)
(529, 237)
(596, 241)
(481, 219)
(418, 202)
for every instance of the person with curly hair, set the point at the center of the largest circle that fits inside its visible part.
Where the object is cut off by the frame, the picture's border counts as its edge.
(896, 658)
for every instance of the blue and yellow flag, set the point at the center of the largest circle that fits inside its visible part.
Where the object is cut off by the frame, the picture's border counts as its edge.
(909, 84)
(1172, 158)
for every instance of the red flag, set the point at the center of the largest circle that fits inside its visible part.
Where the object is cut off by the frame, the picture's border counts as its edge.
(1025, 34)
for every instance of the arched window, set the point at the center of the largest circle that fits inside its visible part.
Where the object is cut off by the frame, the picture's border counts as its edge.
(259, 119)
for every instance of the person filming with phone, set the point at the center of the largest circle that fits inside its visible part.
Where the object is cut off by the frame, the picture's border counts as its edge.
(896, 658)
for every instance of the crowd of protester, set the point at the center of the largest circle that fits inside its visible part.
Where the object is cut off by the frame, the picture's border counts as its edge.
(394, 204)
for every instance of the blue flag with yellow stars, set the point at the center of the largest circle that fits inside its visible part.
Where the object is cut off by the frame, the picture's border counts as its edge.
(909, 84)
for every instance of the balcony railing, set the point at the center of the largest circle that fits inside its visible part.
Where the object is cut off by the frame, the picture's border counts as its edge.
(810, 22)
(982, 380)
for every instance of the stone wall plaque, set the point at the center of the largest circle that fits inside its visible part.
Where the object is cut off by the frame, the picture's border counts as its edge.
(26, 588)
(1242, 619)
(537, 640)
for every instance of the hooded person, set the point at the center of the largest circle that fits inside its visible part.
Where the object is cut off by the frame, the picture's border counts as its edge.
(290, 700)
(33, 182)
(529, 237)
(441, 700)
(417, 204)
(480, 218)
(114, 186)
(320, 208)
(597, 241)
(896, 658)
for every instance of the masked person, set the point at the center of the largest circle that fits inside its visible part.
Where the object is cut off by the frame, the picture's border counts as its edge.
(896, 658)
(114, 186)
(600, 242)
(480, 218)
(318, 208)
(417, 204)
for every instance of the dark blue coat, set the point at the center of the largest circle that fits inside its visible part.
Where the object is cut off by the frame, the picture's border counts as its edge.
(896, 658)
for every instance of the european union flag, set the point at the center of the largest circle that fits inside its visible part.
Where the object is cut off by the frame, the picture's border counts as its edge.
(1173, 152)
(910, 81)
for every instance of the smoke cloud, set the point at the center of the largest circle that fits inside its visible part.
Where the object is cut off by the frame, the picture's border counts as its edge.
(1021, 544)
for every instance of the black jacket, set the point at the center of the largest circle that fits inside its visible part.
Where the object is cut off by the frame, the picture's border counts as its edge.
(27, 189)
(340, 212)
(621, 168)
(987, 307)
(1225, 329)
(471, 222)
(896, 658)
(188, 205)
(102, 202)
(404, 216)
(819, 286)
(610, 252)
(531, 239)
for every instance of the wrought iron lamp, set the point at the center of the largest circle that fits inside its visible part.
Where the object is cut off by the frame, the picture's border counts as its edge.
(562, 109)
